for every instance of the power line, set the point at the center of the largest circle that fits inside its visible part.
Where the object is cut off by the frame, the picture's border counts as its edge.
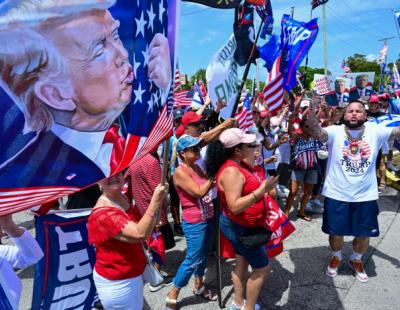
(347, 23)
(196, 12)
(359, 16)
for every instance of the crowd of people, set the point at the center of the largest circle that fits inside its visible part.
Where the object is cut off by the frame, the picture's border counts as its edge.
(332, 158)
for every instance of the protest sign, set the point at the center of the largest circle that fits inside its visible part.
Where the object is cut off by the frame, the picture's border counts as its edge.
(336, 89)
(324, 84)
(222, 77)
(361, 84)
(62, 91)
(63, 278)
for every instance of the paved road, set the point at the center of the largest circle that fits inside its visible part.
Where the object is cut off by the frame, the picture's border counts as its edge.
(297, 279)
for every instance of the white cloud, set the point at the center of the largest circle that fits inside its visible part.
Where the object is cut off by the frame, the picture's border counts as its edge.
(371, 57)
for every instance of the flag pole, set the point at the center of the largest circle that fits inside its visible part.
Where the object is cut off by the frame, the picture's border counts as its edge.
(165, 163)
(247, 68)
(325, 44)
(306, 69)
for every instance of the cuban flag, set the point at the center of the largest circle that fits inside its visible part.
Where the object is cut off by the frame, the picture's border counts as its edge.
(37, 166)
(296, 40)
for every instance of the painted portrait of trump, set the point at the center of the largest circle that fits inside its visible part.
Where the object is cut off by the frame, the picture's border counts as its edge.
(67, 78)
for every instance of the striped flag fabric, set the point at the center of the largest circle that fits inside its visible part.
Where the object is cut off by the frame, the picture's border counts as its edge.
(183, 97)
(245, 116)
(273, 89)
(177, 80)
(383, 53)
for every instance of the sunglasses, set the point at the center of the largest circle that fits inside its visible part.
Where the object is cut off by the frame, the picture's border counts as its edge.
(251, 146)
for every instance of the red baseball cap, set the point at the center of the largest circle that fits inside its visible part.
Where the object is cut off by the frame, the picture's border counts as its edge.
(190, 117)
(374, 98)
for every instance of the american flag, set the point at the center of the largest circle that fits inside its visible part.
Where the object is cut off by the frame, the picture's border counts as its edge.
(245, 116)
(345, 67)
(273, 90)
(177, 80)
(183, 98)
(148, 118)
(383, 53)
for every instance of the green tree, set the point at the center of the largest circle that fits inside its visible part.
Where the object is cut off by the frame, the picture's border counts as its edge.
(200, 74)
(308, 76)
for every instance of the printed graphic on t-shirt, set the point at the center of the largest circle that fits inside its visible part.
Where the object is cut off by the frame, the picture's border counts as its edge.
(356, 156)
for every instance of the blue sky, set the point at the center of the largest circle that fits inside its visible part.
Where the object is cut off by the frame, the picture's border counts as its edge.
(352, 27)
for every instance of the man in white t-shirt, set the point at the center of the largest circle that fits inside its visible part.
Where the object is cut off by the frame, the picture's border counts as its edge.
(350, 187)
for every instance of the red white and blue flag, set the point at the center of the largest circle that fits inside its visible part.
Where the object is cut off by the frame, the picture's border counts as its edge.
(37, 166)
(245, 117)
(273, 89)
(183, 98)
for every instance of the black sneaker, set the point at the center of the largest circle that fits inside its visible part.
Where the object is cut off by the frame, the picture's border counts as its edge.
(178, 229)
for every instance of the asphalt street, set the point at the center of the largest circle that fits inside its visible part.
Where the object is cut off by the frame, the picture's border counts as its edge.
(297, 279)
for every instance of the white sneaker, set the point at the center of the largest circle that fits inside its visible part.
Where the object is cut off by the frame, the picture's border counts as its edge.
(158, 287)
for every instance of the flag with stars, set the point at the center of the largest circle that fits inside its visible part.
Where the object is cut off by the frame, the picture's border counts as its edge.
(112, 60)
(149, 115)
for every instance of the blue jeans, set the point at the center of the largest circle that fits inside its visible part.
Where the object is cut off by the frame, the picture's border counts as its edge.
(198, 246)
(256, 257)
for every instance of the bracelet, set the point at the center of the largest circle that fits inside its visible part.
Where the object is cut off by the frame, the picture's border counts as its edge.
(254, 194)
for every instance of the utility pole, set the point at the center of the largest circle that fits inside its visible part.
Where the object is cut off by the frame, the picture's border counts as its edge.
(325, 44)
(384, 43)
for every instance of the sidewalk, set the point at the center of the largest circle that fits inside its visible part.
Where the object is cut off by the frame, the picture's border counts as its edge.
(297, 279)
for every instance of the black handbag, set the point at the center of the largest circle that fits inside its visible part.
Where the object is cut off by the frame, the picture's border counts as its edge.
(252, 237)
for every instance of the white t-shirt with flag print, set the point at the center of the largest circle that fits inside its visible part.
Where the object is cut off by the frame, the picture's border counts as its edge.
(351, 167)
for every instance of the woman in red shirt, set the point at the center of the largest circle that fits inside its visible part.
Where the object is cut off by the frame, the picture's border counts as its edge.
(117, 231)
(243, 202)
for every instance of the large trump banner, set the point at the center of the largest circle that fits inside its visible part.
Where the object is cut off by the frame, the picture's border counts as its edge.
(85, 87)
(63, 277)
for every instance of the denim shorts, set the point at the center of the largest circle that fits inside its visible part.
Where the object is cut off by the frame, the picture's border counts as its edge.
(305, 176)
(358, 219)
(257, 257)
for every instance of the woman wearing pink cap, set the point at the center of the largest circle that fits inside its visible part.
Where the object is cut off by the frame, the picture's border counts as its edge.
(243, 202)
